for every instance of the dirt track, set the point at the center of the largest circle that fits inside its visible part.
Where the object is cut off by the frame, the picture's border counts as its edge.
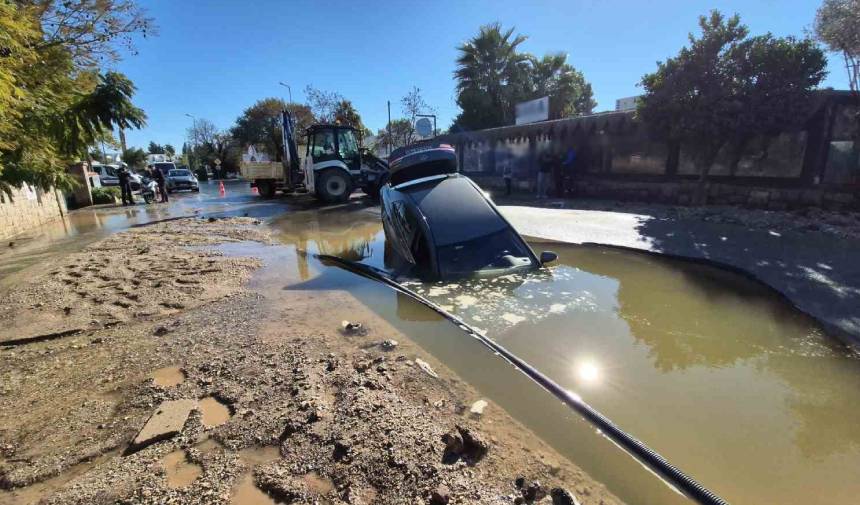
(318, 414)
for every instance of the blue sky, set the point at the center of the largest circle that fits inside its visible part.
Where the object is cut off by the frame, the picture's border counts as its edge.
(214, 59)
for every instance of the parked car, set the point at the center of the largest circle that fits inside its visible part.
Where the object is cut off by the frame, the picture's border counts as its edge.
(108, 174)
(443, 225)
(181, 179)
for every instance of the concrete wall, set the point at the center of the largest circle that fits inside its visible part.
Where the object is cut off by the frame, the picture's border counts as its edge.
(617, 158)
(28, 208)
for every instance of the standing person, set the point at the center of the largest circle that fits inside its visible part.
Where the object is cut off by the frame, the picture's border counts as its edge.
(568, 167)
(125, 186)
(545, 163)
(162, 183)
(508, 175)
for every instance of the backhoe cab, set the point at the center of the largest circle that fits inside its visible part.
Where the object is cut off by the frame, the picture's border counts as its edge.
(335, 165)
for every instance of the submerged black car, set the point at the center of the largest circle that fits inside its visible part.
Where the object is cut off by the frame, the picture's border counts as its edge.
(443, 225)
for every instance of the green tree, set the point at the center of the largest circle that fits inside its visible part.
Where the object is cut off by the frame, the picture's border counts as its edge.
(491, 75)
(155, 148)
(134, 157)
(54, 104)
(725, 88)
(569, 93)
(837, 25)
(260, 124)
(345, 113)
(402, 132)
(169, 150)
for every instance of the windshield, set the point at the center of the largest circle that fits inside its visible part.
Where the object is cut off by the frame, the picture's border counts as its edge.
(180, 173)
(165, 167)
(489, 252)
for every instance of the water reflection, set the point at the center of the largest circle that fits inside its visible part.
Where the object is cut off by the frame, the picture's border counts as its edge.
(715, 372)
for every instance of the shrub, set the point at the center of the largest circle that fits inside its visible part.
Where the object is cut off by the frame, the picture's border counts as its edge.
(201, 174)
(105, 195)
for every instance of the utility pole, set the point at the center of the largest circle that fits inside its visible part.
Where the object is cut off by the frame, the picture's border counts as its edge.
(389, 128)
(193, 141)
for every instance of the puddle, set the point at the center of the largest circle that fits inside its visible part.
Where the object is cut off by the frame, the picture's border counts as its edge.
(255, 456)
(168, 377)
(180, 471)
(318, 485)
(246, 492)
(715, 372)
(214, 413)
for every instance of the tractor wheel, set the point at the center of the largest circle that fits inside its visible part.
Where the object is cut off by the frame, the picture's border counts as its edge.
(334, 186)
(266, 188)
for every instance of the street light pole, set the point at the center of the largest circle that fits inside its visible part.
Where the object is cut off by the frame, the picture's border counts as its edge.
(289, 90)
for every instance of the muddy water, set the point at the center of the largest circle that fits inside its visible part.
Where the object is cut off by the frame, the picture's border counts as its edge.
(713, 371)
(213, 412)
(168, 377)
(180, 472)
(246, 492)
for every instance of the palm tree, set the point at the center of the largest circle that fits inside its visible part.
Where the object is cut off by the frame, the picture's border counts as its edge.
(109, 105)
(491, 76)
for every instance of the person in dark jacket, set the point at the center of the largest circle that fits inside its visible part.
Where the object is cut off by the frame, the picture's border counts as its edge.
(125, 186)
(162, 183)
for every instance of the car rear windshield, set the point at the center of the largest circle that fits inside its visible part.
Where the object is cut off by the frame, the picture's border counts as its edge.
(483, 253)
(179, 173)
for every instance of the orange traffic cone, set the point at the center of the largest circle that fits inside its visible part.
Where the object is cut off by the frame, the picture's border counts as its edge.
(221, 190)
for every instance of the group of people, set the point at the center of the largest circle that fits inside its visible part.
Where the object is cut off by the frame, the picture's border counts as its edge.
(152, 173)
(555, 169)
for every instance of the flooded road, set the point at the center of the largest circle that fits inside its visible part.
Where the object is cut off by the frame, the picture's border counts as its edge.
(85, 226)
(713, 371)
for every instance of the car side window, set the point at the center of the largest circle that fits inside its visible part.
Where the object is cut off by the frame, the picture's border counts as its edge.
(110, 171)
(404, 229)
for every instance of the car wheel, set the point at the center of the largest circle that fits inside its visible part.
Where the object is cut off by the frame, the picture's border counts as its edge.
(334, 186)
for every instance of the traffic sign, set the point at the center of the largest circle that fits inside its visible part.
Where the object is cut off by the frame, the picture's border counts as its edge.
(424, 127)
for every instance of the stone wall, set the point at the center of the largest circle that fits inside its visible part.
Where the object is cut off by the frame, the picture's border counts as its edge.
(28, 208)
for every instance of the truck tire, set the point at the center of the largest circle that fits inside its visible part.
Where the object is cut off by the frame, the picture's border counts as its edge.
(334, 186)
(266, 188)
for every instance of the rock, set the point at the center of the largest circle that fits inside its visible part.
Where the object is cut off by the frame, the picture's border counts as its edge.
(167, 421)
(562, 496)
(352, 328)
(440, 496)
(161, 331)
(534, 492)
(212, 219)
(463, 443)
(388, 344)
(423, 365)
(453, 444)
(478, 407)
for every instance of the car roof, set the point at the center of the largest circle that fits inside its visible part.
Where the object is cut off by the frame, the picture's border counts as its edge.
(455, 209)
